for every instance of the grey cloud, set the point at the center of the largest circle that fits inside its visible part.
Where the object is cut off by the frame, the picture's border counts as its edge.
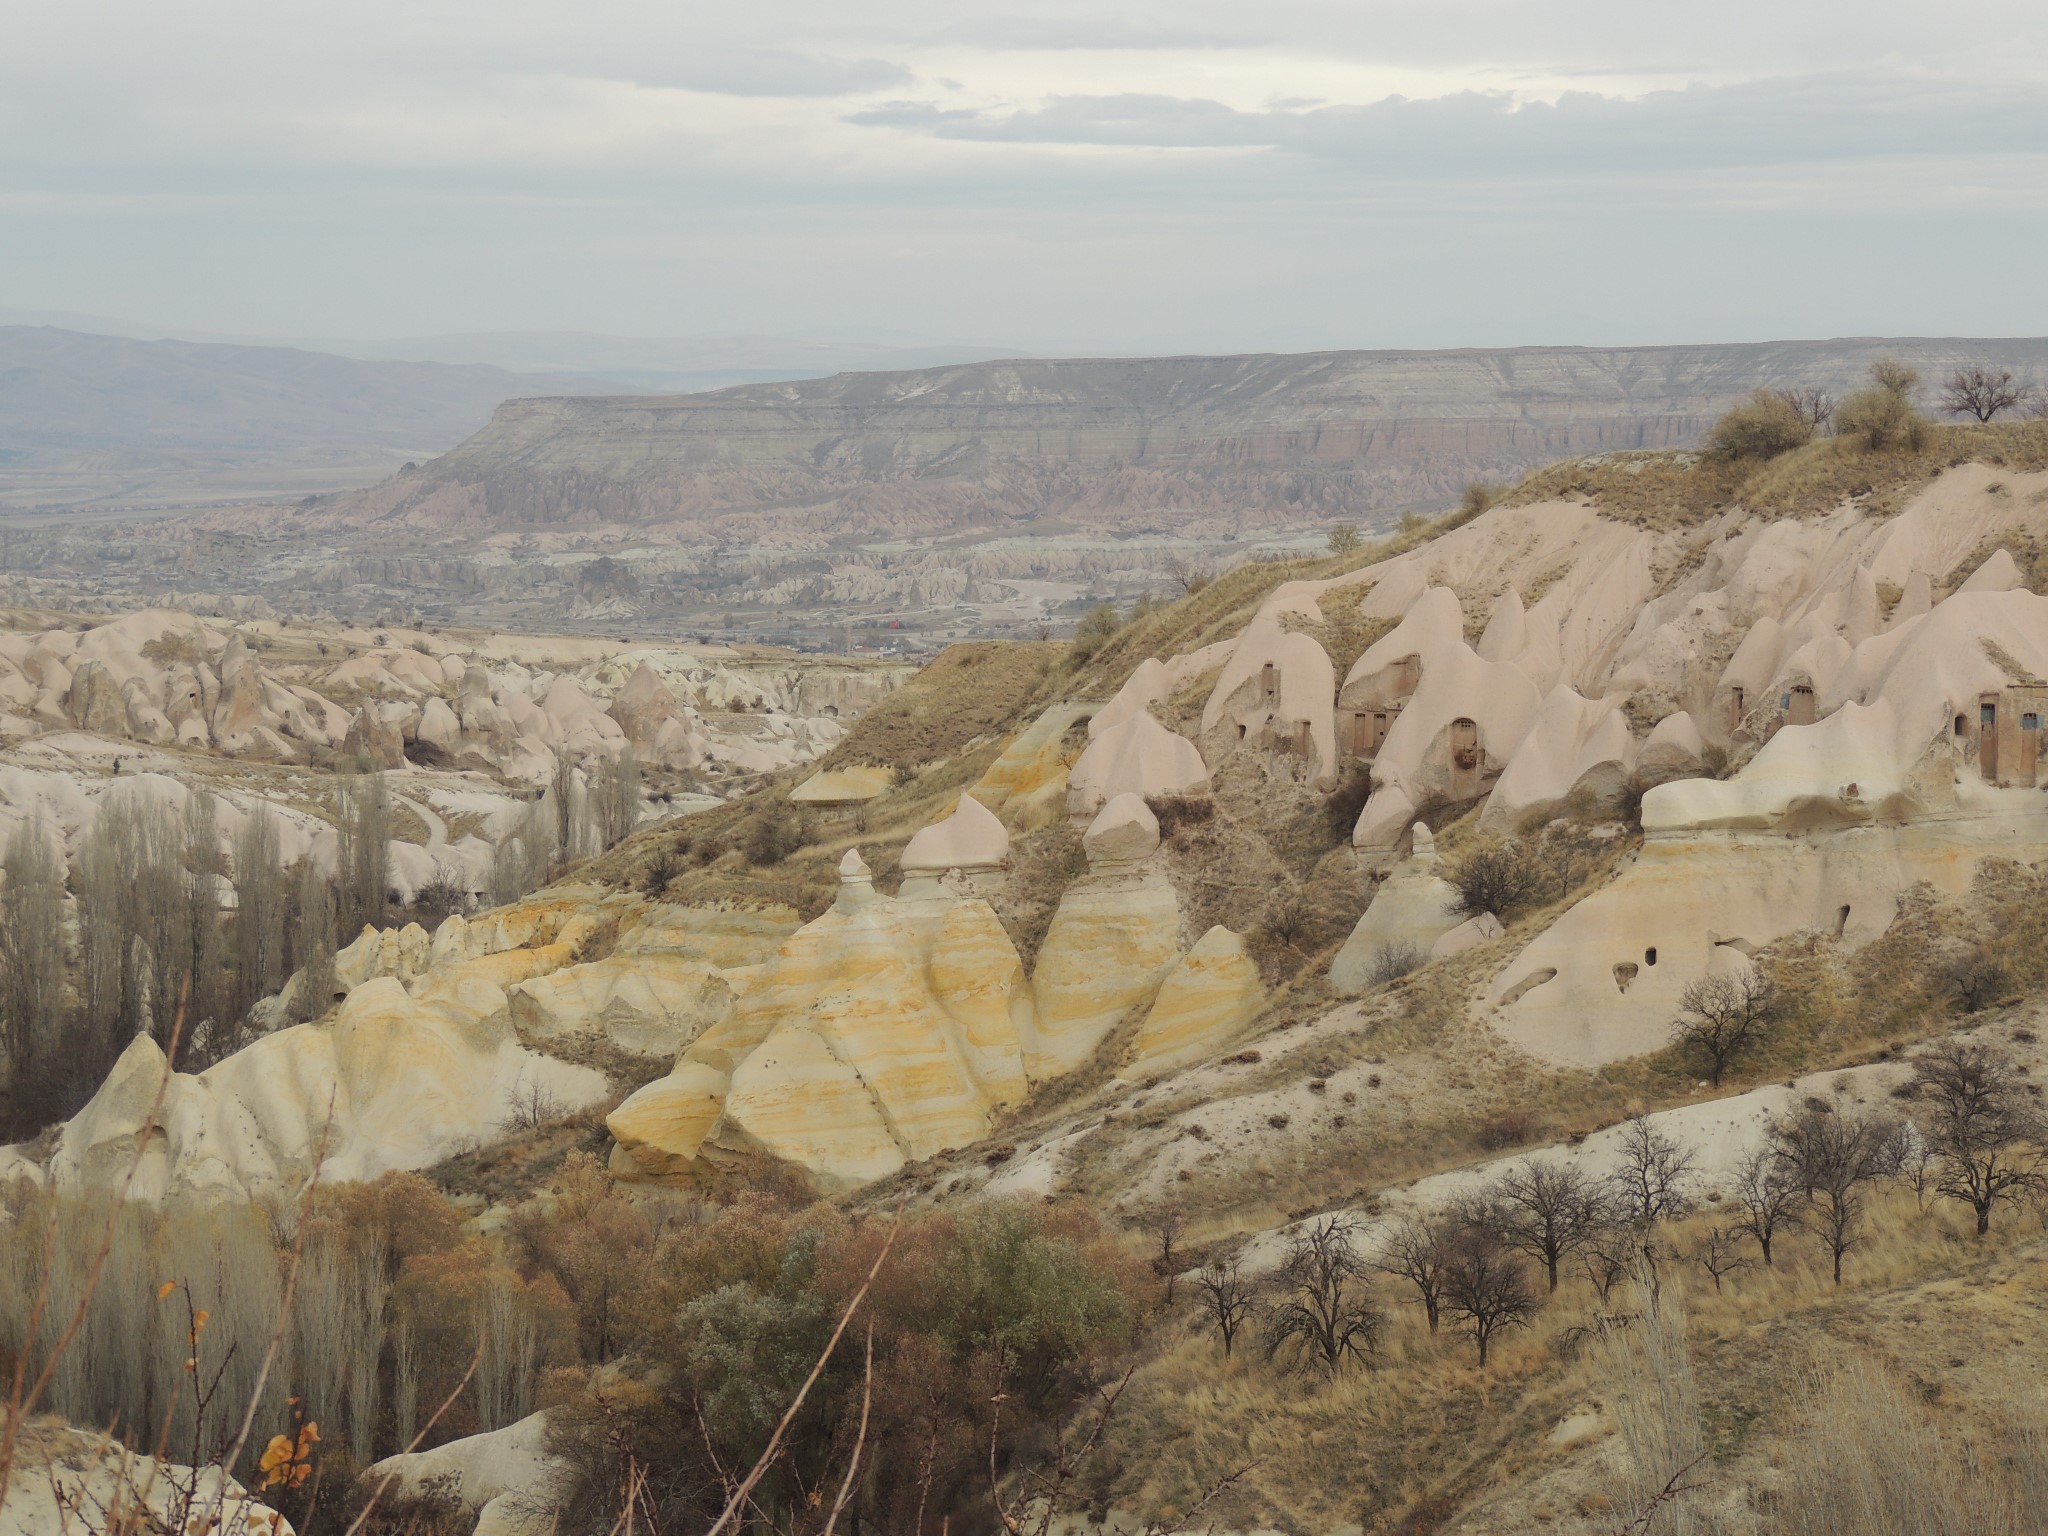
(1820, 118)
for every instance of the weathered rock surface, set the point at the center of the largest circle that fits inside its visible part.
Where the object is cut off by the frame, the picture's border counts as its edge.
(505, 1478)
(1413, 909)
(883, 1031)
(422, 1058)
(67, 1480)
(1110, 945)
(971, 838)
(1123, 832)
(1139, 757)
(1206, 1000)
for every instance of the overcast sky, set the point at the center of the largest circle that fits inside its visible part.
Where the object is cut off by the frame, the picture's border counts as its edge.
(1110, 177)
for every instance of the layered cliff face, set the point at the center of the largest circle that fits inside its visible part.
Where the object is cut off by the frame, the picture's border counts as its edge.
(1200, 444)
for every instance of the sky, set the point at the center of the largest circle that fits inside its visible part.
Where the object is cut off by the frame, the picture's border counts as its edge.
(1116, 177)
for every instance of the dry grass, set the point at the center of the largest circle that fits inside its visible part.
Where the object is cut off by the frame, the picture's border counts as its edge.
(963, 693)
(1675, 490)
(1425, 1431)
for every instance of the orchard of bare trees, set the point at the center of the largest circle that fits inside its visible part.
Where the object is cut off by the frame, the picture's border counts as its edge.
(1482, 1264)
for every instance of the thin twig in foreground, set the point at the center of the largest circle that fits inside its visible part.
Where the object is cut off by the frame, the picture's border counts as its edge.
(391, 1477)
(860, 1440)
(768, 1456)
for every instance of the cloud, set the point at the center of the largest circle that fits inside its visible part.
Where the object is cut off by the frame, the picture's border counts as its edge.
(1814, 119)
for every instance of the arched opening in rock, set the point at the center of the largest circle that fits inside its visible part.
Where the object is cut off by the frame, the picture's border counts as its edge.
(1528, 984)
(1466, 758)
(1650, 955)
(1841, 922)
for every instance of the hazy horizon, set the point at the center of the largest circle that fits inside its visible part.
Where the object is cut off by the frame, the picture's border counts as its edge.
(1193, 179)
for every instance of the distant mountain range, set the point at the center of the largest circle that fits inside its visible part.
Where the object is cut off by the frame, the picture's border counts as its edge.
(104, 413)
(112, 421)
(1202, 445)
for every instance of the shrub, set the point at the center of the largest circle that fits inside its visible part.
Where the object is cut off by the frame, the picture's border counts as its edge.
(1478, 497)
(1497, 877)
(1883, 415)
(773, 836)
(1508, 1128)
(1765, 425)
(1390, 962)
(1176, 811)
(1097, 627)
(1344, 539)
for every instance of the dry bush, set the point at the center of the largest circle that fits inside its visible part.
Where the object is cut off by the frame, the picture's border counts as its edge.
(1390, 962)
(1175, 812)
(773, 835)
(1501, 877)
(1765, 425)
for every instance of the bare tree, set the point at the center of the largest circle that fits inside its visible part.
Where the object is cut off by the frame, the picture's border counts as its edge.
(1769, 1196)
(1165, 1224)
(1548, 1210)
(313, 941)
(1190, 576)
(1722, 1017)
(262, 910)
(1977, 1119)
(1650, 1185)
(617, 796)
(1982, 392)
(1815, 405)
(1720, 1253)
(135, 907)
(1832, 1157)
(521, 860)
(1320, 1305)
(362, 851)
(1609, 1259)
(203, 960)
(1895, 377)
(562, 796)
(1486, 1286)
(1976, 975)
(1227, 1296)
(31, 976)
(1419, 1251)
(1390, 962)
(1344, 539)
(1660, 1438)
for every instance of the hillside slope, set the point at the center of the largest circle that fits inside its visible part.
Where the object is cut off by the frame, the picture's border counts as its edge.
(1193, 444)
